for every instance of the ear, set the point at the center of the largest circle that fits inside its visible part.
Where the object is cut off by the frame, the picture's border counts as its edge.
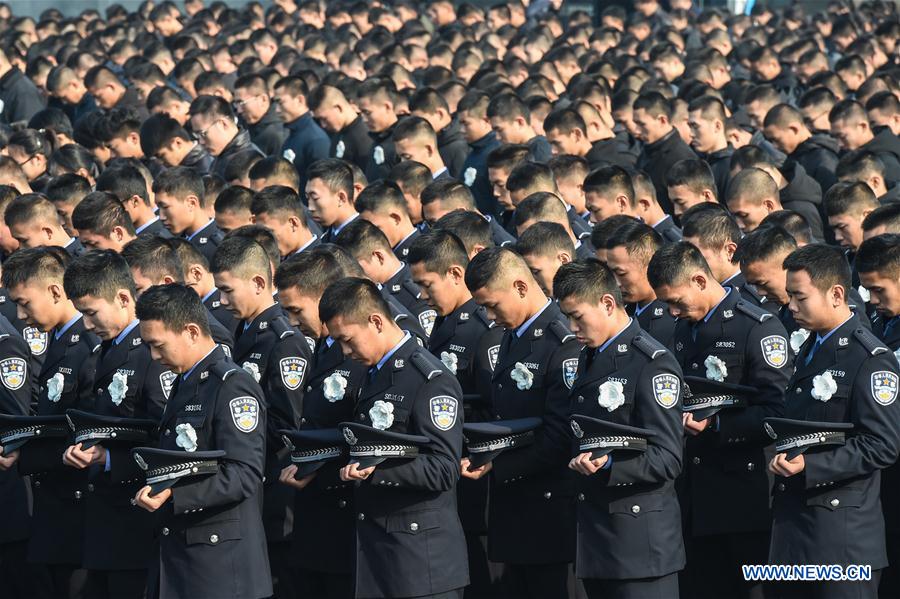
(608, 302)
(259, 283)
(192, 330)
(521, 287)
(194, 273)
(838, 295)
(47, 232)
(730, 248)
(699, 279)
(123, 296)
(56, 292)
(622, 201)
(395, 218)
(875, 182)
(167, 280)
(644, 204)
(564, 257)
(376, 320)
(457, 273)
(194, 200)
(294, 222)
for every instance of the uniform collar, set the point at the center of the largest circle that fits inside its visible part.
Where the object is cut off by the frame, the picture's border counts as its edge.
(201, 229)
(719, 303)
(335, 229)
(121, 336)
(405, 239)
(185, 376)
(140, 229)
(612, 339)
(821, 339)
(524, 328)
(209, 294)
(393, 350)
(67, 326)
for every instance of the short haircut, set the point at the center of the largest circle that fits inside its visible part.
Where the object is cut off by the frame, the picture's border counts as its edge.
(848, 110)
(211, 107)
(29, 208)
(276, 200)
(849, 198)
(654, 104)
(100, 273)
(100, 212)
(158, 131)
(361, 238)
(234, 198)
(887, 216)
(68, 188)
(413, 127)
(438, 250)
(545, 239)
(469, 227)
(310, 272)
(334, 173)
(380, 197)
(243, 257)
(605, 229)
(125, 182)
(792, 222)
(765, 243)
(531, 177)
(565, 121)
(412, 176)
(508, 107)
(154, 257)
(752, 185)
(263, 236)
(541, 206)
(275, 169)
(353, 300)
(188, 255)
(639, 239)
(586, 280)
(180, 182)
(711, 225)
(692, 173)
(826, 265)
(492, 265)
(34, 264)
(782, 115)
(610, 181)
(674, 263)
(709, 107)
(451, 193)
(859, 165)
(880, 254)
(175, 306)
(507, 156)
(567, 166)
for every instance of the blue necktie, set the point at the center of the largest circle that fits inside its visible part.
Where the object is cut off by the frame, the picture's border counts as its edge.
(813, 350)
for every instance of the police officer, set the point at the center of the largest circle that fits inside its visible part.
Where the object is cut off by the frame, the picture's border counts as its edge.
(211, 540)
(324, 517)
(824, 497)
(16, 374)
(531, 516)
(34, 278)
(129, 384)
(725, 339)
(629, 522)
(878, 265)
(467, 342)
(409, 541)
(278, 357)
(628, 251)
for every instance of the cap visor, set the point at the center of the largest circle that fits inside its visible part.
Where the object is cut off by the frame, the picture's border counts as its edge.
(157, 488)
(367, 462)
(13, 446)
(600, 452)
(477, 460)
(304, 470)
(88, 443)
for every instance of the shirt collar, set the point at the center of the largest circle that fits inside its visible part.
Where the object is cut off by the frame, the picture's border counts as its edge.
(195, 233)
(729, 279)
(639, 309)
(522, 329)
(439, 173)
(209, 294)
(337, 228)
(820, 339)
(614, 337)
(329, 340)
(393, 350)
(126, 332)
(662, 220)
(67, 326)
(713, 309)
(311, 241)
(138, 230)
(405, 239)
(194, 367)
(70, 242)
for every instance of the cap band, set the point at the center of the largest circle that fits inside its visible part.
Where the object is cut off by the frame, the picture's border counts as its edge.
(618, 442)
(810, 439)
(501, 443)
(122, 433)
(383, 451)
(29, 432)
(702, 402)
(181, 470)
(316, 455)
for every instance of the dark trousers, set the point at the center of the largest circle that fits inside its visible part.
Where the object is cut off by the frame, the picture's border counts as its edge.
(662, 587)
(890, 580)
(454, 594)
(116, 584)
(17, 574)
(867, 589)
(535, 581)
(714, 565)
(324, 585)
(283, 583)
(59, 581)
(483, 574)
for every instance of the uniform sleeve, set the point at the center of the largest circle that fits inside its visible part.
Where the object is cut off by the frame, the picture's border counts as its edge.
(767, 372)
(662, 460)
(288, 368)
(875, 414)
(552, 443)
(16, 377)
(86, 374)
(241, 471)
(436, 468)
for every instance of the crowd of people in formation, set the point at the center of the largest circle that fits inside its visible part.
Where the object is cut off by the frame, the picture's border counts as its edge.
(418, 298)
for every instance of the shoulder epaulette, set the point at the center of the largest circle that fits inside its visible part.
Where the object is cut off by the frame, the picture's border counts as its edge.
(649, 346)
(3, 336)
(222, 369)
(281, 327)
(561, 331)
(424, 365)
(411, 288)
(754, 312)
(481, 313)
(869, 341)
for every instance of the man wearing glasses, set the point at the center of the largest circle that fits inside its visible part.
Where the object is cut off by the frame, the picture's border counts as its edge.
(265, 125)
(215, 127)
